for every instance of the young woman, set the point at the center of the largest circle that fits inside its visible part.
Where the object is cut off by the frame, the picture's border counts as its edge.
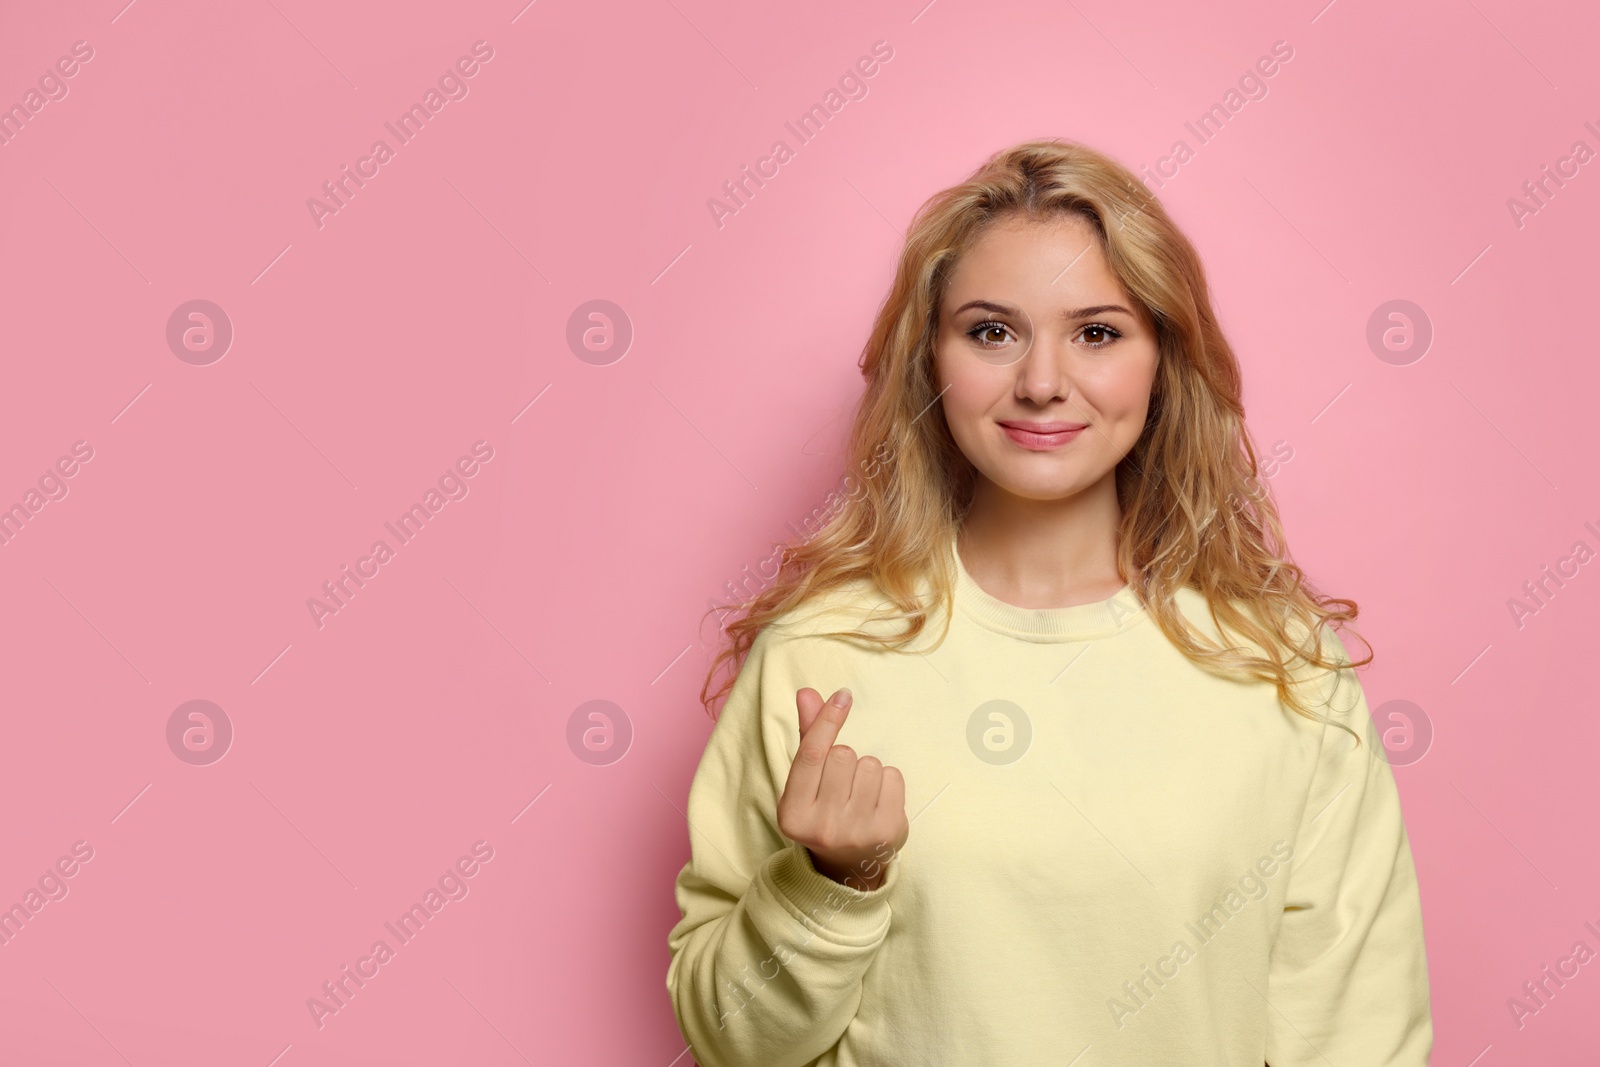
(1096, 784)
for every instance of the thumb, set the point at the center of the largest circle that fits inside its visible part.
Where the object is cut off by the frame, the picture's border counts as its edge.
(814, 707)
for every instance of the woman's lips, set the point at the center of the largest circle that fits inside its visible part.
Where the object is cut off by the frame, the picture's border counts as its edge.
(1042, 436)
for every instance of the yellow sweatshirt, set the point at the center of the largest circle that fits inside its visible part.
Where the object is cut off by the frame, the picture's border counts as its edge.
(1116, 858)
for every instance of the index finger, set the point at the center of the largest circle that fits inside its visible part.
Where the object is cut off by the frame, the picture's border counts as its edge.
(805, 774)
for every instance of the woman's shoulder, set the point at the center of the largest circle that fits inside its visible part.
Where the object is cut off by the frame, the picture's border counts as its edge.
(853, 611)
(1201, 610)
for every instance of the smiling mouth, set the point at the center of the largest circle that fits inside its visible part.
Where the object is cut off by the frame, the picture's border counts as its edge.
(1042, 436)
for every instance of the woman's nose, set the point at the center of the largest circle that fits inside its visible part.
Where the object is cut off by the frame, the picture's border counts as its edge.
(1041, 372)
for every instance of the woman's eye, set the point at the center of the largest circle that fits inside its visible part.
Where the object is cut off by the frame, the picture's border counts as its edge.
(1105, 332)
(989, 334)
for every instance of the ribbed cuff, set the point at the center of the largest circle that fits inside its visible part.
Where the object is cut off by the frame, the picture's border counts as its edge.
(836, 909)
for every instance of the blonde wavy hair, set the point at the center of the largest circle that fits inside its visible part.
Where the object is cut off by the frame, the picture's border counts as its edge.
(1194, 513)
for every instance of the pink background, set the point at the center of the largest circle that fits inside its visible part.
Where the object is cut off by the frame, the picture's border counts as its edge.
(371, 352)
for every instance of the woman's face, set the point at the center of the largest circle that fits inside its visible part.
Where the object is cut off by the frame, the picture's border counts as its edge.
(1045, 363)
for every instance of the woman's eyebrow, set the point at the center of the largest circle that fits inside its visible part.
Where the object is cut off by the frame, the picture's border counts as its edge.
(1098, 309)
(1075, 313)
(986, 305)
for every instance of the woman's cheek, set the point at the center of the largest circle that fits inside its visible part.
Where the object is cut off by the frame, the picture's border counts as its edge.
(1125, 398)
(965, 418)
(970, 395)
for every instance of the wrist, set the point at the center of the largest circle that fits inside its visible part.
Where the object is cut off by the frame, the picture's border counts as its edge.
(854, 876)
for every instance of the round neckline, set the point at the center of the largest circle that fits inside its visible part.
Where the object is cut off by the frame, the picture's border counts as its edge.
(1079, 622)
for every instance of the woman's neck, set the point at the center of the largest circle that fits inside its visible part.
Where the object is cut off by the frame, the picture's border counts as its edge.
(1043, 553)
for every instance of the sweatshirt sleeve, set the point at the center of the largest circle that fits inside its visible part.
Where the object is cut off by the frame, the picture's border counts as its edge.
(1348, 979)
(768, 957)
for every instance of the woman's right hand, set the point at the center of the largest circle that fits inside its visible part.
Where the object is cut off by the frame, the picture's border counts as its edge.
(844, 810)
